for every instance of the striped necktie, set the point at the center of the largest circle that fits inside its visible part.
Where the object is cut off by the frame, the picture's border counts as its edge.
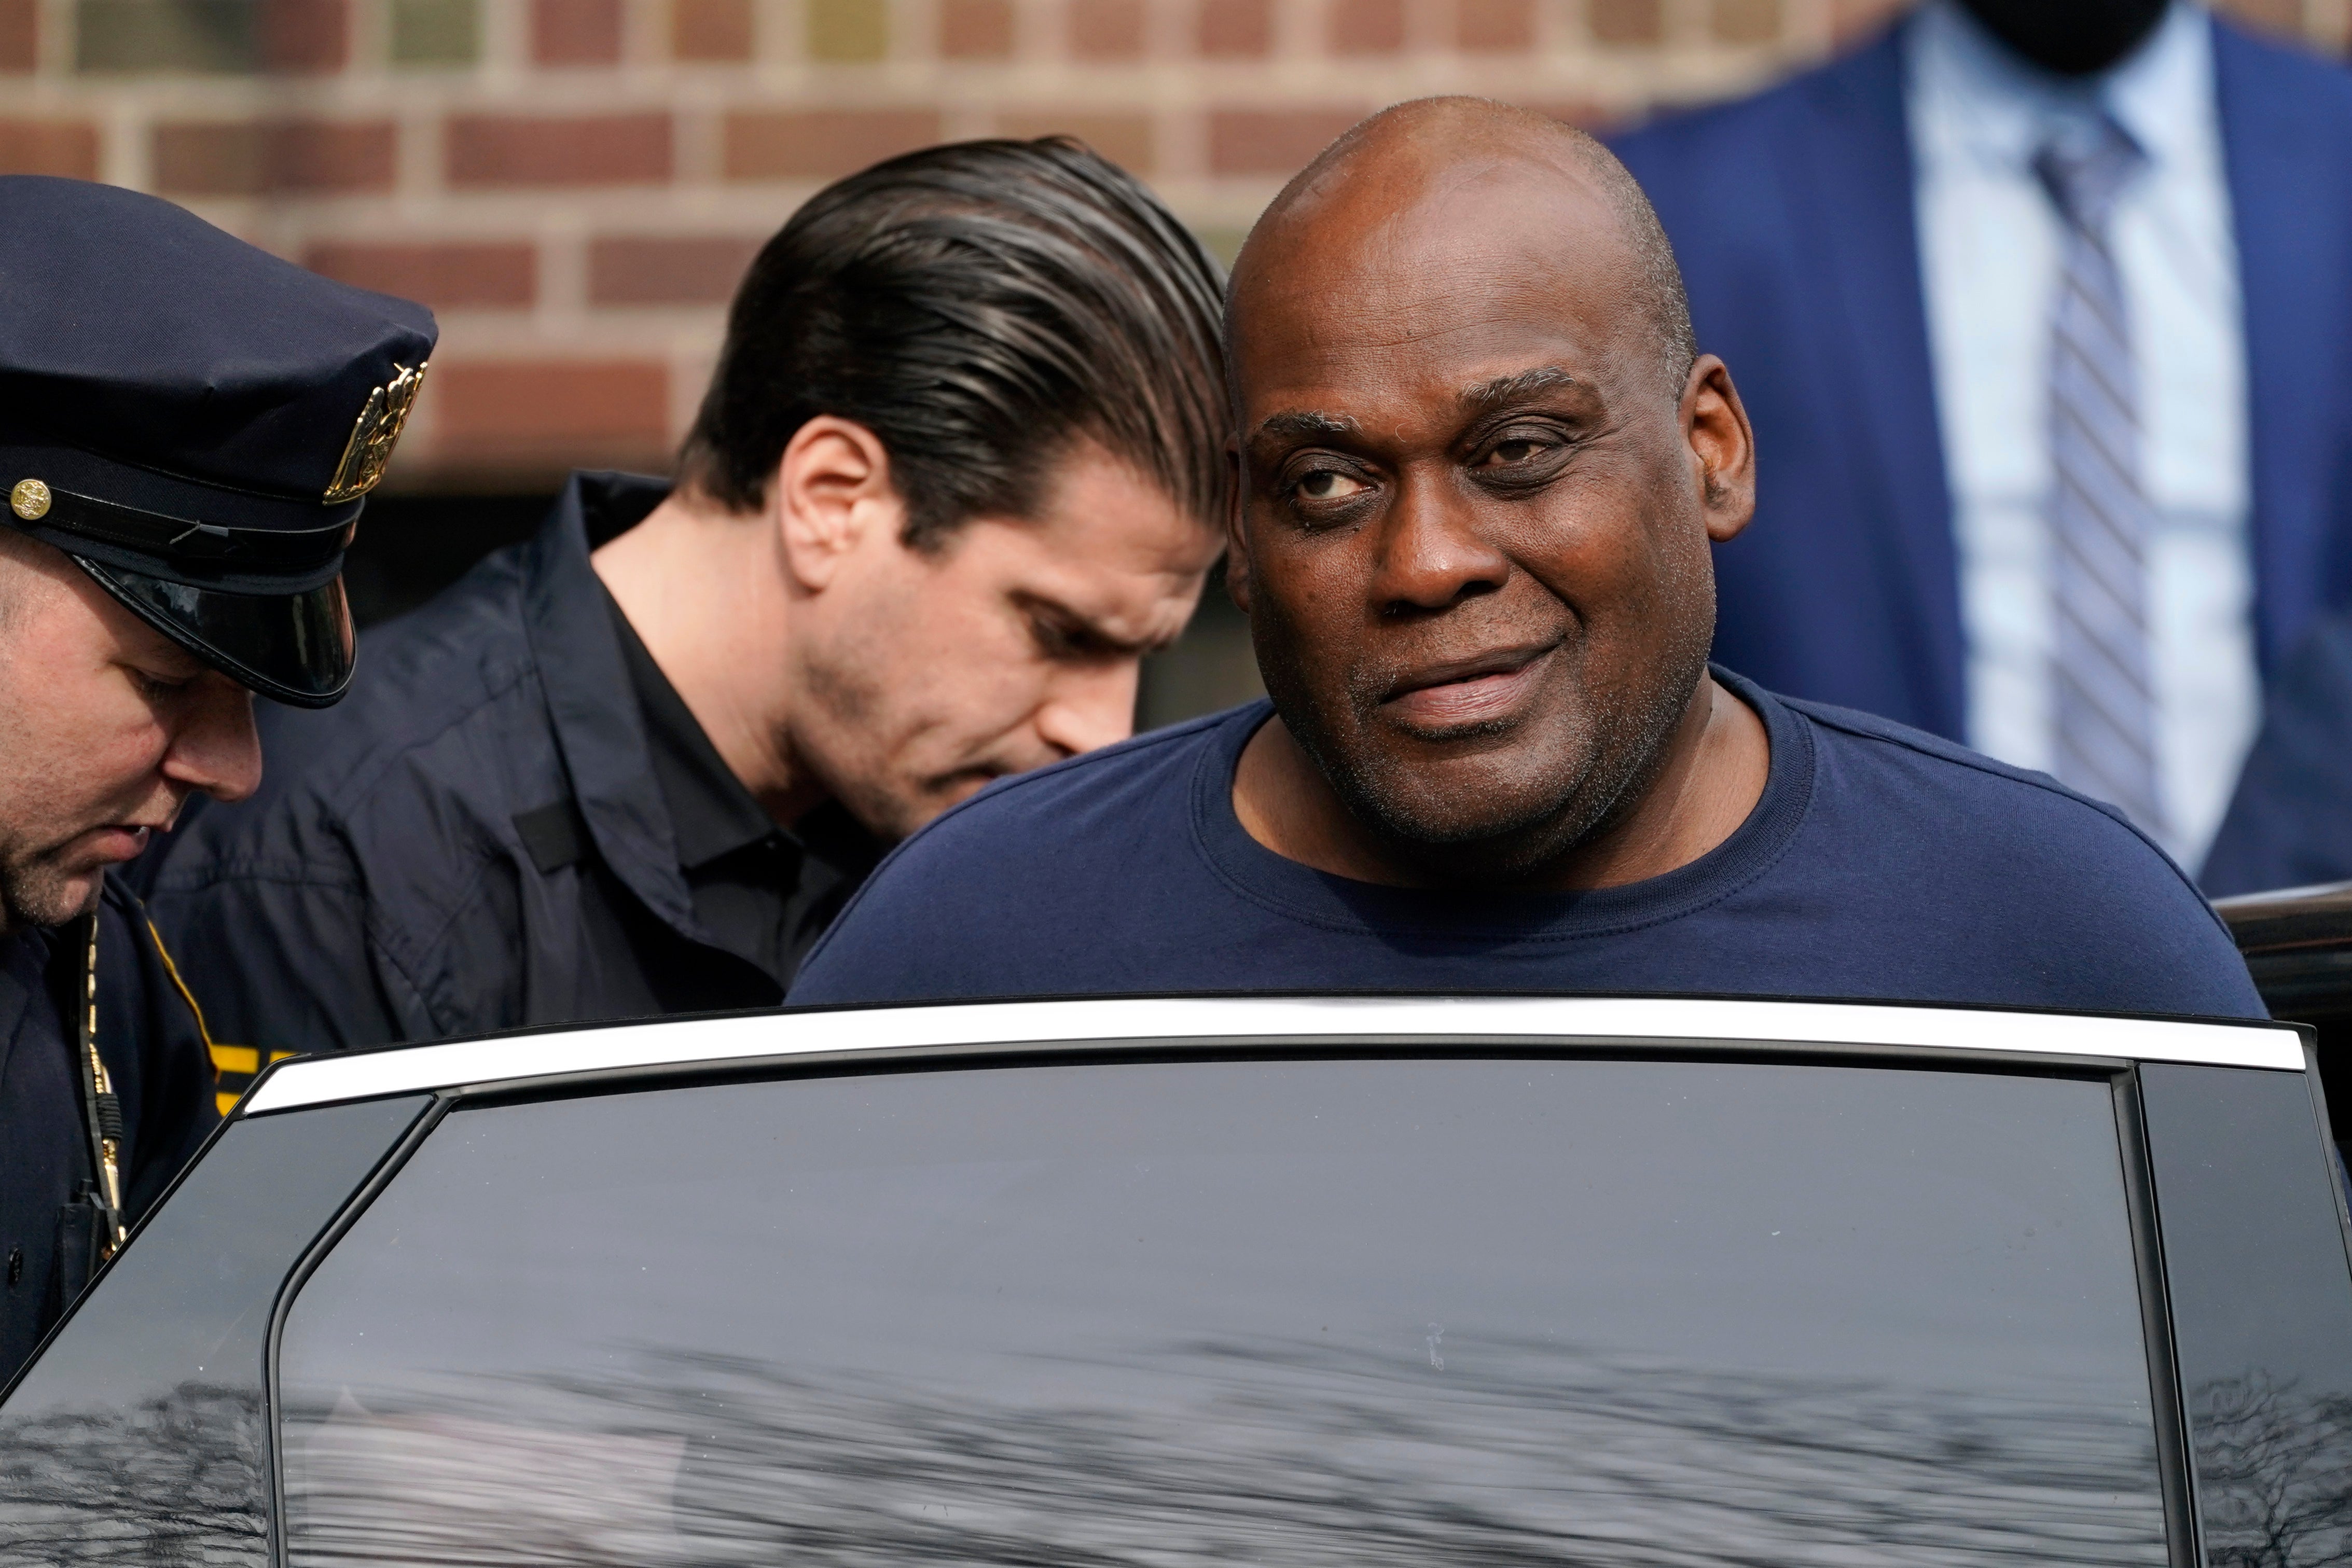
(2100, 521)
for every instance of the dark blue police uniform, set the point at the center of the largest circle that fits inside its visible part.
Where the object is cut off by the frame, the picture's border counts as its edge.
(194, 422)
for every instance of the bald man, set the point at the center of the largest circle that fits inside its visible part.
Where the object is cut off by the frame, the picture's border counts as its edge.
(1482, 469)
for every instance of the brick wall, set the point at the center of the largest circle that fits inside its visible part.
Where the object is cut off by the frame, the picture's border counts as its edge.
(574, 184)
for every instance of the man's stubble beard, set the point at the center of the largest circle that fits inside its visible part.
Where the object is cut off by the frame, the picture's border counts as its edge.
(36, 891)
(1627, 747)
(836, 683)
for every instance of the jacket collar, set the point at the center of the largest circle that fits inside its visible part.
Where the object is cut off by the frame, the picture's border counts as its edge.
(599, 727)
(2283, 120)
(1853, 202)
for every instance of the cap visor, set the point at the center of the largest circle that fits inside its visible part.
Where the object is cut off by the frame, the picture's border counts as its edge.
(295, 647)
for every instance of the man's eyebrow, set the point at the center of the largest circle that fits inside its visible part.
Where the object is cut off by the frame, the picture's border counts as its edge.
(1502, 389)
(1307, 425)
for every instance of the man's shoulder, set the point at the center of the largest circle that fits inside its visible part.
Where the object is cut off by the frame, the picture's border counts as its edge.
(1998, 883)
(1956, 778)
(2020, 830)
(462, 663)
(1030, 858)
(1084, 796)
(435, 668)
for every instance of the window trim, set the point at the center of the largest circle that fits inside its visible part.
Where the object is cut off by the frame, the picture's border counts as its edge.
(741, 1040)
(387, 1170)
(2184, 1530)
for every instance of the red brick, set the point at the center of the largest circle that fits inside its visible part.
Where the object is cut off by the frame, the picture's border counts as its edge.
(1272, 141)
(305, 37)
(67, 147)
(976, 29)
(1745, 21)
(710, 29)
(453, 274)
(1106, 30)
(1486, 25)
(1625, 21)
(823, 143)
(588, 150)
(634, 270)
(1125, 139)
(20, 35)
(1231, 29)
(254, 158)
(1367, 27)
(526, 414)
(575, 32)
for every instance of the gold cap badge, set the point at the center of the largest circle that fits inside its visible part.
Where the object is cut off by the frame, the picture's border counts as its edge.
(373, 437)
(29, 500)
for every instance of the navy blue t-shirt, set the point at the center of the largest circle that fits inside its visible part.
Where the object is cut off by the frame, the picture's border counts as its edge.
(1880, 863)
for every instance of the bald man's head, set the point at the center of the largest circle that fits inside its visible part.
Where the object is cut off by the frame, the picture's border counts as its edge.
(1422, 140)
(1481, 467)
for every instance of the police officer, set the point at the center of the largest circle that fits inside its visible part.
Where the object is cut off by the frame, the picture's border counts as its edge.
(187, 427)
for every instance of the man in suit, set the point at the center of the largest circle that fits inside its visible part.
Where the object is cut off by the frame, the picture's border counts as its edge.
(2007, 286)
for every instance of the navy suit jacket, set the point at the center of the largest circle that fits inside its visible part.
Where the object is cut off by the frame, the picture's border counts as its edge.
(1792, 216)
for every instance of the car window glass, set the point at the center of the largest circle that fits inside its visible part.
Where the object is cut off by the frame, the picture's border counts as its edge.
(2261, 1309)
(1278, 1313)
(137, 1434)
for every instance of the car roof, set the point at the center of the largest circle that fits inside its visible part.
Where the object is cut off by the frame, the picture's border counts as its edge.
(739, 1041)
(2318, 915)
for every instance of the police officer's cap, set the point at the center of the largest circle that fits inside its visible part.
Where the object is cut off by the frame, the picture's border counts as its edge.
(195, 421)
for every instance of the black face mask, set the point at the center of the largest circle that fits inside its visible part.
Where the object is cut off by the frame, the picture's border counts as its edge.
(2071, 38)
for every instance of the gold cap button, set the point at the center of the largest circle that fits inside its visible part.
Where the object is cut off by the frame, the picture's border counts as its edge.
(29, 500)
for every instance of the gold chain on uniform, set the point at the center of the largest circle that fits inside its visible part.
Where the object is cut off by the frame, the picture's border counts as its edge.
(101, 1083)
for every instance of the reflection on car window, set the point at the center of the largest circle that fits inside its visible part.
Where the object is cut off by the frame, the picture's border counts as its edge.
(1655, 1313)
(2261, 1309)
(137, 1435)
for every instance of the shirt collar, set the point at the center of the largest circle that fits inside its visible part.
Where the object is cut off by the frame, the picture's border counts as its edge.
(711, 814)
(579, 668)
(1978, 104)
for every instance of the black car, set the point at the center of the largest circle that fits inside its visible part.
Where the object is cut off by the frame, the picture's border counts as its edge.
(1163, 1283)
(2298, 944)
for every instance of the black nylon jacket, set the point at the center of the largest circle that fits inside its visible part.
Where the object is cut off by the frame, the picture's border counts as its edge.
(471, 840)
(152, 1044)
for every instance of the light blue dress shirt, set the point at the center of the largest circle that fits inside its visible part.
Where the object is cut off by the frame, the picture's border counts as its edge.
(1989, 249)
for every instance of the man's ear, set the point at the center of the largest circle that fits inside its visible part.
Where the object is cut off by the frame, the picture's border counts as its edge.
(1237, 556)
(832, 494)
(1722, 448)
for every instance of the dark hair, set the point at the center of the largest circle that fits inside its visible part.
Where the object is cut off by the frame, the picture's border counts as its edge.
(979, 307)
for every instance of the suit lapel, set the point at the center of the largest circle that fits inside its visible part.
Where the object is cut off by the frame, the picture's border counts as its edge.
(2287, 177)
(1853, 195)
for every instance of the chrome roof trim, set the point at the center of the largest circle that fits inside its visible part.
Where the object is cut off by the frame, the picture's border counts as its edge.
(517, 1059)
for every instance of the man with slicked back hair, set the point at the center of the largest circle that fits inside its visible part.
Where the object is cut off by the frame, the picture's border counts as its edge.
(959, 469)
(1481, 470)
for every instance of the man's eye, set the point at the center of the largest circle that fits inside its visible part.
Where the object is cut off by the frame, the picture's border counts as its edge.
(1329, 485)
(155, 688)
(1518, 450)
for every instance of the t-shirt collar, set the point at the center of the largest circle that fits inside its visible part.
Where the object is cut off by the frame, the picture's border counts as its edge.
(1483, 916)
